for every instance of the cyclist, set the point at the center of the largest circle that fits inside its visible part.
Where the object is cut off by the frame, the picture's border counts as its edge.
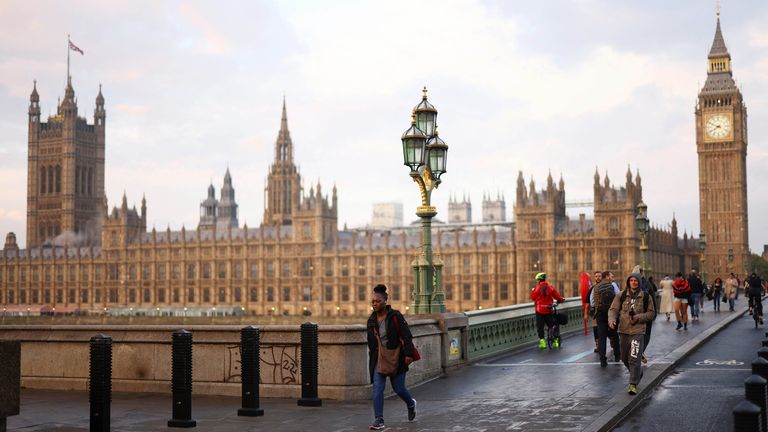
(543, 295)
(755, 294)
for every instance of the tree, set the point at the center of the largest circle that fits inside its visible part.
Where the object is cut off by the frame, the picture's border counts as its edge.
(759, 265)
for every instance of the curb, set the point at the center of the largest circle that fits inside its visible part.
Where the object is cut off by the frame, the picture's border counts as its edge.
(622, 404)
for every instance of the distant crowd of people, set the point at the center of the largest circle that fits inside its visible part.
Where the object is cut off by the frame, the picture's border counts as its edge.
(623, 317)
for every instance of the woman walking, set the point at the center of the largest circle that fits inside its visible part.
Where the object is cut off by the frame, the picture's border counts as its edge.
(667, 305)
(391, 346)
(731, 291)
(682, 293)
(717, 290)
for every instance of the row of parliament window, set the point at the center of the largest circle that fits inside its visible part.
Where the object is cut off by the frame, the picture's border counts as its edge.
(329, 293)
(221, 270)
(50, 180)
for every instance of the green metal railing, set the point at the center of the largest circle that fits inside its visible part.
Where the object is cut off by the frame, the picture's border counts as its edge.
(494, 331)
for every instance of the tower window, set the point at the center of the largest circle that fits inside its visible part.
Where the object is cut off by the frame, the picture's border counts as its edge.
(58, 178)
(50, 179)
(42, 181)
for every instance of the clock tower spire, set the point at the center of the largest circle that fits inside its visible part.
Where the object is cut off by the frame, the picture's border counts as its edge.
(721, 144)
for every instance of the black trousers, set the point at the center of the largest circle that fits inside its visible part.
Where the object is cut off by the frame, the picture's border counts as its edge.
(541, 319)
(603, 332)
(647, 338)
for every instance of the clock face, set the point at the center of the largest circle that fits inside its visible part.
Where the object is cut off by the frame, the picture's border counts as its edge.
(718, 126)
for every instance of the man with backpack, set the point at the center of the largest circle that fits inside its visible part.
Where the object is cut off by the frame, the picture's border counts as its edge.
(755, 292)
(629, 312)
(602, 298)
(543, 295)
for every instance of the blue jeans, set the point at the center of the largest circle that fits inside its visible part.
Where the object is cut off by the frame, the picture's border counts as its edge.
(398, 385)
(716, 298)
(695, 304)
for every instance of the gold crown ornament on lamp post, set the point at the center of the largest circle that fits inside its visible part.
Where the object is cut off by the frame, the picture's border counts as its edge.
(424, 152)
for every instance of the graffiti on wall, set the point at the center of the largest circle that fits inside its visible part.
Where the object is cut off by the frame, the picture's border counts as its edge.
(278, 364)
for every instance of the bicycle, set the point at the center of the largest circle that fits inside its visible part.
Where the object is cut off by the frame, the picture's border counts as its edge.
(756, 303)
(553, 331)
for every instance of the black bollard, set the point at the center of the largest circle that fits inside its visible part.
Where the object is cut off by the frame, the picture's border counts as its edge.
(181, 380)
(250, 372)
(746, 417)
(309, 366)
(100, 382)
(763, 353)
(760, 367)
(756, 391)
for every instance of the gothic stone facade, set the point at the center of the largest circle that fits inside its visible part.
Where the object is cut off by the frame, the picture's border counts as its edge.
(298, 260)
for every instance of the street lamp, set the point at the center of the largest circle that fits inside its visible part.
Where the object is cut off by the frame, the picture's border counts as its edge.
(643, 227)
(702, 258)
(424, 152)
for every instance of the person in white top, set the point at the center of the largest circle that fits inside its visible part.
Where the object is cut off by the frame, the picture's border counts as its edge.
(667, 305)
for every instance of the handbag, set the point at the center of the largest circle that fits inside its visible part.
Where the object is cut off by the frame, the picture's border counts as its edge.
(725, 299)
(416, 355)
(388, 361)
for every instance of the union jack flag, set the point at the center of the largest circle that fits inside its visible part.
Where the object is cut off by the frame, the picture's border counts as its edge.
(74, 47)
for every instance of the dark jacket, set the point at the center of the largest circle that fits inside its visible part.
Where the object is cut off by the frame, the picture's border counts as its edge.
(755, 285)
(697, 286)
(394, 338)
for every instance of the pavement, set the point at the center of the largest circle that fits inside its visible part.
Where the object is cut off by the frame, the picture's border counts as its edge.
(703, 389)
(525, 390)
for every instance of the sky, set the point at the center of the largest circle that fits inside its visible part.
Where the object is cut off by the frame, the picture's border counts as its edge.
(194, 87)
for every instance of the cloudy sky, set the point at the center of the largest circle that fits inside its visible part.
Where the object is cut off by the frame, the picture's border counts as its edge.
(194, 87)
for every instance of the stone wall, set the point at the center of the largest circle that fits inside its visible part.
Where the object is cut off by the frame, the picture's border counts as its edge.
(56, 357)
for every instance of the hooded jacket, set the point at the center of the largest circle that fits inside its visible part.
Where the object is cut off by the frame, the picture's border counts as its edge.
(681, 288)
(620, 311)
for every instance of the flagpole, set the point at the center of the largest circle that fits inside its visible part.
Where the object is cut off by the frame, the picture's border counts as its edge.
(68, 42)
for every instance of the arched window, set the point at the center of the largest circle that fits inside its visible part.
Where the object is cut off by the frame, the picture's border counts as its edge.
(77, 180)
(58, 178)
(42, 232)
(42, 180)
(50, 179)
(90, 181)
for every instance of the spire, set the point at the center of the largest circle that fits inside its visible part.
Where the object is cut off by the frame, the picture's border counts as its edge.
(100, 97)
(629, 174)
(718, 44)
(34, 97)
(124, 205)
(284, 145)
(227, 177)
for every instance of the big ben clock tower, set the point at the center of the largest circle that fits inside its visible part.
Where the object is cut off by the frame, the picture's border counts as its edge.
(721, 143)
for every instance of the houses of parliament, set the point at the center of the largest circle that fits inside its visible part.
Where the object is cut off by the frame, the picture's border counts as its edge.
(83, 257)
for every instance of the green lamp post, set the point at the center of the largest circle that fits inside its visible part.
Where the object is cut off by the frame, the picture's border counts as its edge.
(424, 152)
(702, 257)
(643, 227)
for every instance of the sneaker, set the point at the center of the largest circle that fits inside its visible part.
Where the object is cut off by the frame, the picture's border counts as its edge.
(542, 343)
(412, 411)
(377, 424)
(632, 389)
(643, 359)
(603, 362)
(556, 342)
(685, 326)
(679, 325)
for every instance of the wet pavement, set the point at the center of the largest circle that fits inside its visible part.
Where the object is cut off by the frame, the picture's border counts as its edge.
(702, 391)
(530, 389)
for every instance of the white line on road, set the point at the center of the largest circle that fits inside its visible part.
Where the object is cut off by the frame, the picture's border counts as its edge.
(578, 356)
(525, 361)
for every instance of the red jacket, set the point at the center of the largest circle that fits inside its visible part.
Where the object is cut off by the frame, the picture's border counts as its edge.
(680, 288)
(544, 295)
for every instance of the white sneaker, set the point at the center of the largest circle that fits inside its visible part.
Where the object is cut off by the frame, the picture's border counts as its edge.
(412, 411)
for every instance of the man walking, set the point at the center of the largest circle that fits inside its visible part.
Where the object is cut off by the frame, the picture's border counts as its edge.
(602, 298)
(630, 311)
(697, 290)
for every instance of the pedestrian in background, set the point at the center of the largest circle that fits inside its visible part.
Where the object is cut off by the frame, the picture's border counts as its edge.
(667, 305)
(388, 332)
(629, 312)
(717, 291)
(697, 290)
(602, 299)
(731, 290)
(682, 293)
